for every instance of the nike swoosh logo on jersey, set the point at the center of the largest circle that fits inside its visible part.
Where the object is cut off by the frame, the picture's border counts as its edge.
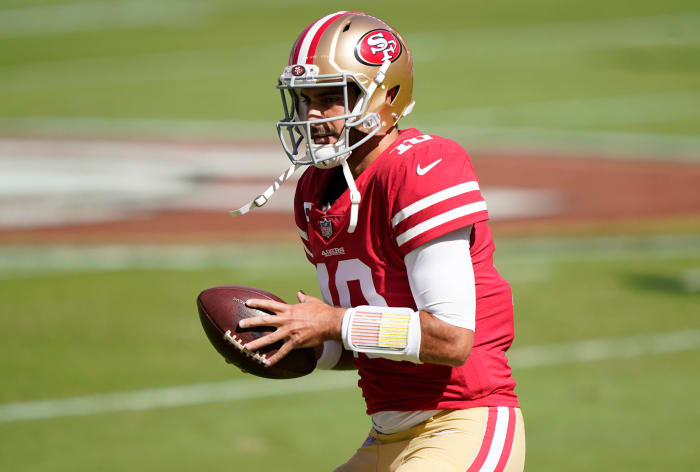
(424, 170)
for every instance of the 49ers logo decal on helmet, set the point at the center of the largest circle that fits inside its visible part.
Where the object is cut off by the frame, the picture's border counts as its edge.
(298, 70)
(377, 46)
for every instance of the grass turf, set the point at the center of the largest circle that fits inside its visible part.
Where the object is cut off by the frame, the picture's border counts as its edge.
(86, 332)
(622, 66)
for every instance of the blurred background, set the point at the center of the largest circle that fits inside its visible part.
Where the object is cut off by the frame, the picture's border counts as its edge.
(129, 128)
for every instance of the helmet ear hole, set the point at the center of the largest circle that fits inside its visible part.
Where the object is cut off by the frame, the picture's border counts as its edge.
(391, 94)
(352, 86)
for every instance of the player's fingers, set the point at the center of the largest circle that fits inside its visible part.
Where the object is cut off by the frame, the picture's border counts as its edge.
(265, 341)
(265, 320)
(304, 298)
(279, 355)
(270, 305)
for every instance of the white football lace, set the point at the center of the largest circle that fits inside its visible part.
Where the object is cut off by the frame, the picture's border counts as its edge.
(238, 344)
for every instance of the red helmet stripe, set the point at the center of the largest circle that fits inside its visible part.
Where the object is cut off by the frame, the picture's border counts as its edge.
(314, 44)
(294, 57)
(312, 36)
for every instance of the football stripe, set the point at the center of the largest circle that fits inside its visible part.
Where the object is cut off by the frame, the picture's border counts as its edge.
(430, 200)
(440, 219)
(315, 30)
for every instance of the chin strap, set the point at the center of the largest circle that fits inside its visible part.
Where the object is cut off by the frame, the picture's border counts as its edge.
(354, 193)
(354, 196)
(262, 199)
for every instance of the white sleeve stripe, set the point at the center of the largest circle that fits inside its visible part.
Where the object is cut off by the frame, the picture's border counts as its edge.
(442, 218)
(303, 234)
(430, 200)
(307, 251)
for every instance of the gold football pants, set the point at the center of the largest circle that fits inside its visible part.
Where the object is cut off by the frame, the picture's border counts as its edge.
(488, 439)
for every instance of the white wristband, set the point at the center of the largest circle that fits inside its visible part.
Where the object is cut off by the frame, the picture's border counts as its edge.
(388, 332)
(330, 356)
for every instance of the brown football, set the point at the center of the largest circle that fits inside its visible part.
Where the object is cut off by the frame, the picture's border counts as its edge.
(220, 310)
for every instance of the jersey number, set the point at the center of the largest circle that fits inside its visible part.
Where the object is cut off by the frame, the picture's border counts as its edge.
(348, 270)
(403, 147)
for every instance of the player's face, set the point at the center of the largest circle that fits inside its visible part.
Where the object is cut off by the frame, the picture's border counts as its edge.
(325, 102)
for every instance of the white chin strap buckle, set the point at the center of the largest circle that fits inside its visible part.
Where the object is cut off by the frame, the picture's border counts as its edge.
(263, 198)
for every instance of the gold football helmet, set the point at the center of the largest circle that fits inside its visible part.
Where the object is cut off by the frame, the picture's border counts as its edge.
(340, 50)
(343, 49)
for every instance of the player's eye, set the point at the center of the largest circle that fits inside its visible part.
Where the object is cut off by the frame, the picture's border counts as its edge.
(333, 100)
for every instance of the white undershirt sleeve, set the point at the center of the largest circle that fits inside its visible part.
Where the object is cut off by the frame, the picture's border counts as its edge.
(441, 276)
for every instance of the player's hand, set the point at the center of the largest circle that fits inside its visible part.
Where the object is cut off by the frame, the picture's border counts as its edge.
(306, 324)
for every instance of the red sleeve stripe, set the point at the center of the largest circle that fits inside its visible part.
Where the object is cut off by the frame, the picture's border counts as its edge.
(440, 219)
(430, 200)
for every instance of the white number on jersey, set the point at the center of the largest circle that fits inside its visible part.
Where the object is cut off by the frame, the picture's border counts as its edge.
(348, 270)
(403, 147)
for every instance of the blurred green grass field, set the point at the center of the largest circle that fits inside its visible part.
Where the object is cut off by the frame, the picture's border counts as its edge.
(626, 66)
(76, 323)
(103, 327)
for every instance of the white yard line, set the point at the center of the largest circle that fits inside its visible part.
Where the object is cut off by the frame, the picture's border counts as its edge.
(28, 260)
(73, 17)
(42, 20)
(563, 37)
(559, 141)
(117, 70)
(253, 388)
(667, 106)
(182, 64)
(582, 143)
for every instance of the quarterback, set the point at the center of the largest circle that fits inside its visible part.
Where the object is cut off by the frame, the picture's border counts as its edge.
(396, 226)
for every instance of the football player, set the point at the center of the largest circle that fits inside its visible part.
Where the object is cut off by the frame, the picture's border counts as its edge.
(396, 226)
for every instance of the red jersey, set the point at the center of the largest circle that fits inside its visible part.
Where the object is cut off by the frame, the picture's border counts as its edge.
(418, 189)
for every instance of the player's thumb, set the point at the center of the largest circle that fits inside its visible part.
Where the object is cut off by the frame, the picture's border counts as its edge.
(301, 296)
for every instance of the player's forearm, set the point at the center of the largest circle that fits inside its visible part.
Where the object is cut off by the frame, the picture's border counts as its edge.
(442, 343)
